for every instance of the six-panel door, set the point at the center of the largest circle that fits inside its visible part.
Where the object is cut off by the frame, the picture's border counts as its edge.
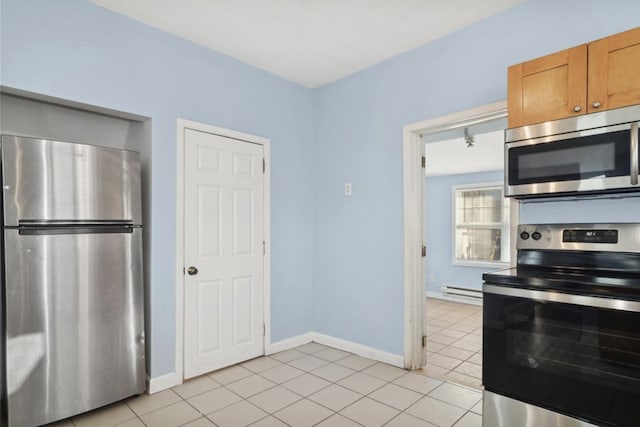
(224, 231)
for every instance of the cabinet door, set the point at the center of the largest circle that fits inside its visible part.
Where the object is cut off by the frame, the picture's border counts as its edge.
(614, 71)
(548, 88)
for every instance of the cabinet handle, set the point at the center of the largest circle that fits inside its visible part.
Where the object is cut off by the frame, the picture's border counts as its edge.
(596, 104)
(577, 108)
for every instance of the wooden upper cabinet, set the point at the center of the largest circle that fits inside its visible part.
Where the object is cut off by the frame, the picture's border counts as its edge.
(602, 75)
(548, 88)
(614, 71)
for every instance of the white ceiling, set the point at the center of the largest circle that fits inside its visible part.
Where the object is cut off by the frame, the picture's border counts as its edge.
(310, 42)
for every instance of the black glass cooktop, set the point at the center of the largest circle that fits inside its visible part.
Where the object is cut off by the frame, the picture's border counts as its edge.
(604, 274)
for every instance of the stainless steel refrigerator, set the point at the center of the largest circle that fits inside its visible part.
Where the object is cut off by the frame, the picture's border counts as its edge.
(72, 279)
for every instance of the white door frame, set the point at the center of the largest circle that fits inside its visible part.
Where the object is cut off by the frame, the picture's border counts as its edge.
(413, 177)
(240, 137)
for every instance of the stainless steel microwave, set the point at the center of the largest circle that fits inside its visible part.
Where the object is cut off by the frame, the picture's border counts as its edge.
(594, 153)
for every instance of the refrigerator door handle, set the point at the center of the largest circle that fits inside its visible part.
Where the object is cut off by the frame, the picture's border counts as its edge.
(74, 223)
(39, 230)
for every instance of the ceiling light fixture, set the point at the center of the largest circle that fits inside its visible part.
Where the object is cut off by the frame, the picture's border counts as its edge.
(468, 138)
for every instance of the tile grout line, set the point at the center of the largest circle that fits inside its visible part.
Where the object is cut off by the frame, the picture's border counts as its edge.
(136, 414)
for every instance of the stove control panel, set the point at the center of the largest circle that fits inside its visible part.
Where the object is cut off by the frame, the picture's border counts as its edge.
(590, 237)
(534, 236)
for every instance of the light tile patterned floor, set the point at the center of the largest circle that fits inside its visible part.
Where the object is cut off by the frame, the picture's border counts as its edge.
(311, 385)
(454, 342)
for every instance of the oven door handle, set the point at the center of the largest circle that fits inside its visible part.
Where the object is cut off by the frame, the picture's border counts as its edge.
(559, 297)
(634, 153)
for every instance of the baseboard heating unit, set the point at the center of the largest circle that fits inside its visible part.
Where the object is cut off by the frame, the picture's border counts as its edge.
(456, 291)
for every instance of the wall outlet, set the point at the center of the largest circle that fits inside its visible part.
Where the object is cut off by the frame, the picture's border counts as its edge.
(347, 189)
(432, 278)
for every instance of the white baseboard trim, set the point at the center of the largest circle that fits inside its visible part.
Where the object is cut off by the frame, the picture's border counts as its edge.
(289, 343)
(163, 382)
(360, 350)
(340, 344)
(438, 295)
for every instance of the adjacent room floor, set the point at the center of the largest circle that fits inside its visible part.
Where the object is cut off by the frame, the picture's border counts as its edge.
(311, 385)
(454, 342)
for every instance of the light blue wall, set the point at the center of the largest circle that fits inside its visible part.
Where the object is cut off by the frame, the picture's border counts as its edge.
(337, 261)
(74, 50)
(438, 232)
(358, 257)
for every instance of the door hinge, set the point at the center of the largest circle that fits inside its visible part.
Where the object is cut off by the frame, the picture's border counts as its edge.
(264, 166)
(424, 162)
(264, 330)
(424, 340)
(264, 248)
(424, 250)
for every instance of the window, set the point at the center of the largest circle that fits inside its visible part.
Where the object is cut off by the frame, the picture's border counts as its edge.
(481, 224)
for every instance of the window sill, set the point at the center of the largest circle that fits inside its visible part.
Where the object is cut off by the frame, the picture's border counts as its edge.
(496, 265)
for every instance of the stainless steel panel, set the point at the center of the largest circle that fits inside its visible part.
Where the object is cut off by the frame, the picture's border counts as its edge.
(634, 154)
(571, 124)
(559, 297)
(501, 411)
(53, 180)
(75, 333)
(551, 188)
(569, 135)
(628, 237)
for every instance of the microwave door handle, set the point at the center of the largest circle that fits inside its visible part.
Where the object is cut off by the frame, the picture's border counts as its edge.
(634, 153)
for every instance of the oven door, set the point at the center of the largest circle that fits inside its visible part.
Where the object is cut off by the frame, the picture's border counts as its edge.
(587, 161)
(572, 354)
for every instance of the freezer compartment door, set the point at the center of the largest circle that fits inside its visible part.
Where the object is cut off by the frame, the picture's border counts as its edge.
(75, 333)
(61, 181)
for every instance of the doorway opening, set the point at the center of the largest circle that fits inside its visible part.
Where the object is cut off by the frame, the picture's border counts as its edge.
(450, 127)
(466, 233)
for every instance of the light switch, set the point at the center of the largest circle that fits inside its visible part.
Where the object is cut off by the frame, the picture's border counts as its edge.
(347, 189)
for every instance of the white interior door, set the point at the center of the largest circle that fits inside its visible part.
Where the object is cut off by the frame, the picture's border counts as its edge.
(224, 250)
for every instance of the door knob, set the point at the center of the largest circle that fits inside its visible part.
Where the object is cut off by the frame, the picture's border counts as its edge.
(596, 104)
(577, 108)
(192, 271)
